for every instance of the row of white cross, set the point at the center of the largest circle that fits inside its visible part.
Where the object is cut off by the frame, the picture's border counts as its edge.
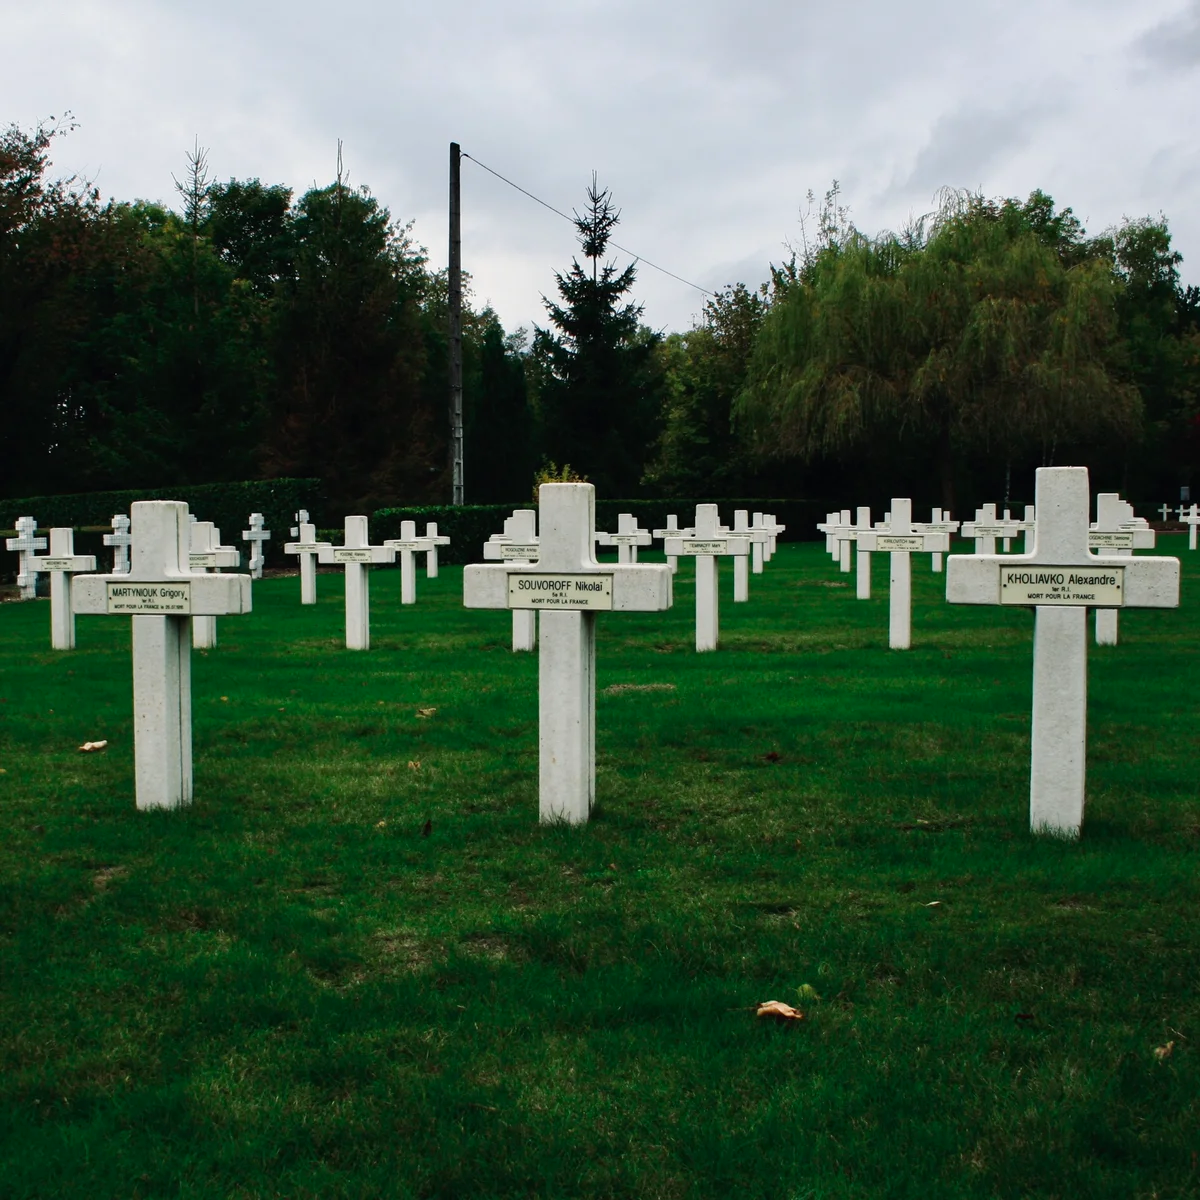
(1059, 577)
(750, 543)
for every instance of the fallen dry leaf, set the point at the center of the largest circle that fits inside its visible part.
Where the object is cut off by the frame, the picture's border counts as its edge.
(772, 756)
(426, 712)
(225, 698)
(933, 904)
(1163, 1052)
(779, 1011)
(414, 764)
(380, 824)
(88, 747)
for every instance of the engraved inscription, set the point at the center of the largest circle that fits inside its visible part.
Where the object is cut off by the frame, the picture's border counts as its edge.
(1092, 587)
(161, 598)
(560, 591)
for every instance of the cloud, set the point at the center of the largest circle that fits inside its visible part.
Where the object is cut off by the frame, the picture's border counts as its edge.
(1175, 42)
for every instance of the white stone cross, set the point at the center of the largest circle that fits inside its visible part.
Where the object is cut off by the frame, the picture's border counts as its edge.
(627, 539)
(670, 530)
(26, 544)
(1191, 518)
(1115, 531)
(826, 527)
(862, 558)
(120, 540)
(985, 529)
(774, 529)
(163, 596)
(356, 557)
(1165, 509)
(843, 536)
(256, 535)
(741, 563)
(518, 544)
(1061, 580)
(1028, 525)
(61, 563)
(308, 550)
(569, 586)
(758, 546)
(406, 545)
(207, 554)
(941, 523)
(707, 542)
(898, 538)
(435, 540)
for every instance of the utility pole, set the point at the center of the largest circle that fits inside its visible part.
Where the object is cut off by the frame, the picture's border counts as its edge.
(455, 281)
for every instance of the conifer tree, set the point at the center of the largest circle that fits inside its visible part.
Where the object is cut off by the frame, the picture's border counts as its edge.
(602, 377)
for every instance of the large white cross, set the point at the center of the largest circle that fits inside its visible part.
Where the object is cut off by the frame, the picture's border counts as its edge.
(1191, 518)
(707, 542)
(256, 535)
(120, 540)
(163, 596)
(406, 545)
(627, 539)
(61, 563)
(670, 530)
(1115, 531)
(208, 554)
(1061, 580)
(518, 544)
(569, 587)
(308, 550)
(435, 540)
(898, 538)
(26, 544)
(356, 557)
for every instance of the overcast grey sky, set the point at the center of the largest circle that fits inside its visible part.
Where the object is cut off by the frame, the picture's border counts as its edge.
(709, 121)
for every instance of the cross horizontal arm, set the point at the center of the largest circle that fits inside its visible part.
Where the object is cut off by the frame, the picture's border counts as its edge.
(640, 588)
(1146, 582)
(195, 595)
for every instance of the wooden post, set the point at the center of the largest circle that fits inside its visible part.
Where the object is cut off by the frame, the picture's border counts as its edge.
(455, 304)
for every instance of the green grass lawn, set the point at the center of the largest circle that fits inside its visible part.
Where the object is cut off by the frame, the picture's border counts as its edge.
(290, 990)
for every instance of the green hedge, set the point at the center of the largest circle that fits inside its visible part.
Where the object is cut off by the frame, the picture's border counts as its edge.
(227, 505)
(470, 525)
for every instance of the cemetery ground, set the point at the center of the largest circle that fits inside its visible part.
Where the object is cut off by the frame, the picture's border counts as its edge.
(357, 966)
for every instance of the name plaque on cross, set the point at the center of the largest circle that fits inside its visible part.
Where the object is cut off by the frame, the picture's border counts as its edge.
(1121, 539)
(1063, 585)
(352, 554)
(593, 592)
(160, 598)
(526, 551)
(49, 563)
(711, 546)
(886, 541)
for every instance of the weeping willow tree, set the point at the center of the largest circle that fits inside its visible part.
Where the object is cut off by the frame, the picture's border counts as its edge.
(992, 327)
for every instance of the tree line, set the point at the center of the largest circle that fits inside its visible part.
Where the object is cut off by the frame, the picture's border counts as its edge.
(249, 333)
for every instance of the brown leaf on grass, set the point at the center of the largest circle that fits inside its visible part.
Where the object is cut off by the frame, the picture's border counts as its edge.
(1164, 1052)
(426, 712)
(380, 824)
(88, 747)
(772, 756)
(414, 764)
(779, 1011)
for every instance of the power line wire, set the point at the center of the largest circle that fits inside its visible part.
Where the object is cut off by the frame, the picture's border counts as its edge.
(558, 212)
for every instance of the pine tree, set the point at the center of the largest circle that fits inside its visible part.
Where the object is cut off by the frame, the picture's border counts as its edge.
(600, 398)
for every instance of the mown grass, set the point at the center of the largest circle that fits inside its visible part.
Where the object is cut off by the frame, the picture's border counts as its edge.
(291, 990)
